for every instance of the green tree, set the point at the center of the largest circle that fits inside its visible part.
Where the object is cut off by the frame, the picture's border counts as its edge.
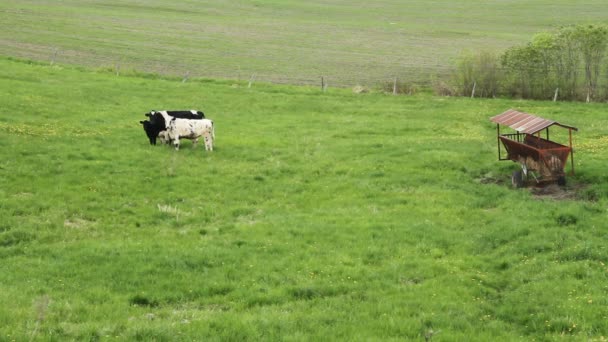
(592, 41)
(519, 65)
(550, 60)
(567, 62)
(544, 50)
(531, 68)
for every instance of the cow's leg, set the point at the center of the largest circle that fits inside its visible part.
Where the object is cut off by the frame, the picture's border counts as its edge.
(194, 142)
(208, 142)
(176, 144)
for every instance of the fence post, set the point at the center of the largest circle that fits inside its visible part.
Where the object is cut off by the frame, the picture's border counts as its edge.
(54, 56)
(395, 86)
(186, 76)
(117, 69)
(555, 96)
(251, 80)
(473, 91)
(323, 84)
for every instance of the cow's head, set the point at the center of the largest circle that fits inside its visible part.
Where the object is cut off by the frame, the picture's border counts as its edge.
(151, 131)
(150, 113)
(157, 120)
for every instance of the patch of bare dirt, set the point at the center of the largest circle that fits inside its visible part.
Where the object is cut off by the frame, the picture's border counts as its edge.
(490, 179)
(556, 192)
(77, 223)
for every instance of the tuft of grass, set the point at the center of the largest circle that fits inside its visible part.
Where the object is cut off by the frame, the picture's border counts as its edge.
(141, 300)
(566, 219)
(15, 237)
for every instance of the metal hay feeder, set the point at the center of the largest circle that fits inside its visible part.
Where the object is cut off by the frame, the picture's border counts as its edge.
(540, 157)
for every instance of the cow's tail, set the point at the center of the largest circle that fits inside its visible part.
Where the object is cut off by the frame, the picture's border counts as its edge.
(212, 130)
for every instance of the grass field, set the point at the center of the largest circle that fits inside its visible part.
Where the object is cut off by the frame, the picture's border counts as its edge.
(319, 216)
(347, 42)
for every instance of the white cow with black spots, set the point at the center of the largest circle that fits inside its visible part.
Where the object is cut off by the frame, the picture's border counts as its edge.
(191, 129)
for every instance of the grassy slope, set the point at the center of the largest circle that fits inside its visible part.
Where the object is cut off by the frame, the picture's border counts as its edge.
(318, 216)
(348, 42)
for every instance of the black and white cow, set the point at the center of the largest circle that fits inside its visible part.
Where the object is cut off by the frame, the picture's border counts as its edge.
(183, 114)
(158, 121)
(191, 129)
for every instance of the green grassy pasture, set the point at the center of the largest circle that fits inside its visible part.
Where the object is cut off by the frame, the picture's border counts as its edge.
(319, 216)
(288, 41)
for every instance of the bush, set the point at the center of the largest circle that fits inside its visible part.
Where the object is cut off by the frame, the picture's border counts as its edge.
(399, 87)
(571, 60)
(480, 73)
(442, 88)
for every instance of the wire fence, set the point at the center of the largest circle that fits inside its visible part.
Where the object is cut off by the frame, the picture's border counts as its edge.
(406, 78)
(419, 74)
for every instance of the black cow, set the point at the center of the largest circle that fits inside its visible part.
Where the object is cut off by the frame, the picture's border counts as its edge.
(151, 130)
(158, 121)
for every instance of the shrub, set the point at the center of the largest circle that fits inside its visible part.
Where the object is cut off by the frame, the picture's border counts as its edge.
(479, 72)
(442, 88)
(570, 60)
(399, 87)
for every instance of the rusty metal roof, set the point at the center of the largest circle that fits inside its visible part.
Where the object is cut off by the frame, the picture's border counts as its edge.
(524, 122)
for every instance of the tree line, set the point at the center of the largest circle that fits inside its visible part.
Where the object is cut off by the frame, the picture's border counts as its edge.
(568, 64)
